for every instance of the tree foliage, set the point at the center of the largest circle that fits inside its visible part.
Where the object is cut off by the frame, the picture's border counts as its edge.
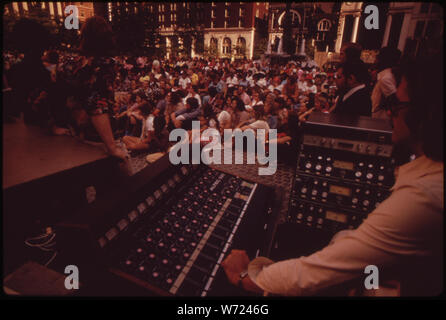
(129, 30)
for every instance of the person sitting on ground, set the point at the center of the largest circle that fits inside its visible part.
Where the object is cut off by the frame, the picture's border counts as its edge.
(321, 103)
(239, 114)
(183, 118)
(224, 118)
(243, 95)
(151, 133)
(260, 122)
(192, 93)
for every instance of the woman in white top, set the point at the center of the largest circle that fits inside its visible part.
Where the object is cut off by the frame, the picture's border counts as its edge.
(147, 118)
(259, 123)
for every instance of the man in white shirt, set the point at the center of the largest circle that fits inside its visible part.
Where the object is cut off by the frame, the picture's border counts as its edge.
(261, 82)
(310, 87)
(243, 95)
(275, 84)
(403, 236)
(192, 93)
(385, 86)
(184, 80)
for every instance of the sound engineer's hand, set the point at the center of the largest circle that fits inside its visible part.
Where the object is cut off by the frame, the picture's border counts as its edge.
(235, 263)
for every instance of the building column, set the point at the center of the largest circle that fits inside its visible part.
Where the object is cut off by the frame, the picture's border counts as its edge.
(272, 21)
(302, 47)
(192, 53)
(404, 31)
(297, 46)
(220, 46)
(251, 48)
(168, 47)
(355, 29)
(15, 8)
(268, 47)
(280, 47)
(387, 31)
(340, 34)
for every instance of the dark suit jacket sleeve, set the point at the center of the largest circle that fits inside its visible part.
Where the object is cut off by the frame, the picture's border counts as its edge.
(358, 104)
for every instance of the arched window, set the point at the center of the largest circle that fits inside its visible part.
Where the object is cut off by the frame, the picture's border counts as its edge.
(295, 18)
(241, 46)
(324, 25)
(226, 46)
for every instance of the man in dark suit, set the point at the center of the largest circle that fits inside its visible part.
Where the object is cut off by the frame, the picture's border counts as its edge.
(354, 97)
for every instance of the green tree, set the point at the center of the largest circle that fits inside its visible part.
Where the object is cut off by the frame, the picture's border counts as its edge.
(190, 29)
(153, 43)
(36, 13)
(129, 30)
(8, 23)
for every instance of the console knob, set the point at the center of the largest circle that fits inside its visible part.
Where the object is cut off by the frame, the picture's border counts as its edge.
(328, 158)
(366, 203)
(314, 192)
(369, 176)
(299, 216)
(358, 174)
(380, 177)
(328, 169)
(310, 218)
(318, 167)
(324, 194)
(303, 190)
(308, 165)
(355, 200)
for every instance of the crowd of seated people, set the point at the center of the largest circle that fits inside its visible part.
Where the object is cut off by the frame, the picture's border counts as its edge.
(152, 96)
